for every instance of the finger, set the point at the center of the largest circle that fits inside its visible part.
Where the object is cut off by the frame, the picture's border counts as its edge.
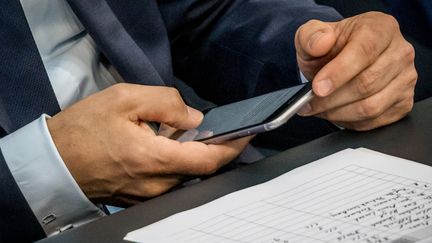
(314, 39)
(157, 104)
(369, 82)
(390, 116)
(402, 88)
(173, 112)
(166, 130)
(195, 158)
(365, 45)
(188, 135)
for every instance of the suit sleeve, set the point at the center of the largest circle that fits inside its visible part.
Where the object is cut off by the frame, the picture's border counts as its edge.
(229, 50)
(15, 214)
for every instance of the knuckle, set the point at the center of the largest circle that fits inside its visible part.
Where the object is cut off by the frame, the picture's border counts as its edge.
(299, 35)
(368, 48)
(409, 80)
(174, 99)
(412, 81)
(389, 21)
(409, 52)
(366, 82)
(154, 189)
(173, 92)
(305, 29)
(385, 20)
(380, 22)
(392, 22)
(372, 16)
(120, 87)
(121, 91)
(415, 74)
(177, 106)
(364, 127)
(210, 168)
(368, 109)
(312, 22)
(410, 104)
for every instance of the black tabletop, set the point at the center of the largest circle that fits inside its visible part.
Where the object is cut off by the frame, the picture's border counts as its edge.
(410, 138)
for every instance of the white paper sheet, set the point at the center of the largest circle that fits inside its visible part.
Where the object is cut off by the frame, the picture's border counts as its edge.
(351, 196)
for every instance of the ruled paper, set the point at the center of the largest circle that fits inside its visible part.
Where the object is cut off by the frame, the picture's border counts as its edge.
(351, 196)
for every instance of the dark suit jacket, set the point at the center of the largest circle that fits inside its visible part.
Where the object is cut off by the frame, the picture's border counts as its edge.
(225, 49)
(415, 17)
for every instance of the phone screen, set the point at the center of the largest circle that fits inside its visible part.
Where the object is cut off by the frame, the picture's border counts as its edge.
(243, 114)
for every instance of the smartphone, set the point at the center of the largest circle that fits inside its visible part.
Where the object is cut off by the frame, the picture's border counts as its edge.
(249, 117)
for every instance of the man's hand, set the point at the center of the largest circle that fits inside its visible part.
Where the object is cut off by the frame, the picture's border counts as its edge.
(362, 70)
(115, 157)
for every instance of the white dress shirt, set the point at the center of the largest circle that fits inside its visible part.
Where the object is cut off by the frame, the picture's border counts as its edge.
(71, 60)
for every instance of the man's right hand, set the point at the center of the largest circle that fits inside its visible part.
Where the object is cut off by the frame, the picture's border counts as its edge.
(116, 158)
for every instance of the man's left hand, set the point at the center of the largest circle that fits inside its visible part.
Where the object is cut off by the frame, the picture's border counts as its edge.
(362, 69)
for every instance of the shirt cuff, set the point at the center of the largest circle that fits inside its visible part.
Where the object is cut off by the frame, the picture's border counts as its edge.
(43, 178)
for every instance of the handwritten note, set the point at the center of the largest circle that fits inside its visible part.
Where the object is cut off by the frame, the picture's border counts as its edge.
(351, 196)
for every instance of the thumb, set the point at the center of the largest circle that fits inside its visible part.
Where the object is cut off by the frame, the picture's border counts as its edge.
(195, 118)
(314, 39)
(163, 105)
(178, 117)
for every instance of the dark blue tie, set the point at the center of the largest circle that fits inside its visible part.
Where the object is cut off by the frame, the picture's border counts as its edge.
(25, 90)
(25, 93)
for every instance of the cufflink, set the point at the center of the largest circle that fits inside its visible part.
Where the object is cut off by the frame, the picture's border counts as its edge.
(49, 219)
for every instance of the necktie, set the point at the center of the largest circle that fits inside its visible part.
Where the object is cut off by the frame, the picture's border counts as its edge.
(21, 72)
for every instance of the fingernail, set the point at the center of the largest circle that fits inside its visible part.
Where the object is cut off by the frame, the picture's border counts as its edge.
(315, 37)
(305, 110)
(195, 114)
(324, 87)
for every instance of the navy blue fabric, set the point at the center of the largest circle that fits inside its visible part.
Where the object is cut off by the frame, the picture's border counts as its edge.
(411, 10)
(223, 48)
(25, 93)
(228, 50)
(17, 222)
(415, 16)
(25, 90)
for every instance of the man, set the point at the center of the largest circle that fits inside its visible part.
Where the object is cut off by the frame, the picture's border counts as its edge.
(100, 146)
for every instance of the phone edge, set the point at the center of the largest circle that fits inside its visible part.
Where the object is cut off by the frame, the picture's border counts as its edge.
(290, 112)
